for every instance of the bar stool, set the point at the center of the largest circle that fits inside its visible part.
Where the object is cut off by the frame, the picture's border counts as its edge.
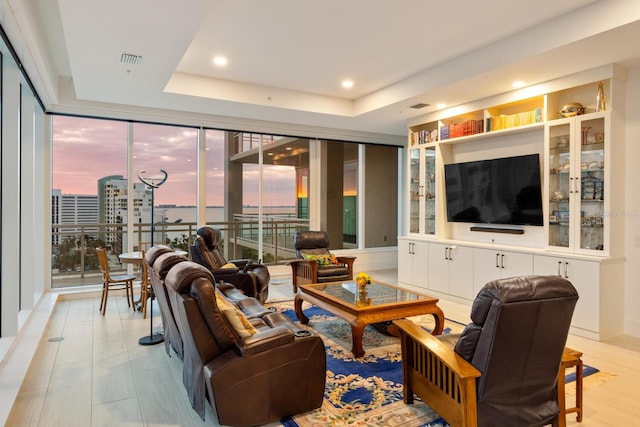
(570, 358)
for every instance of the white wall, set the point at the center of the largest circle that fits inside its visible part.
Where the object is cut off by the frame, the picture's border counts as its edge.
(632, 208)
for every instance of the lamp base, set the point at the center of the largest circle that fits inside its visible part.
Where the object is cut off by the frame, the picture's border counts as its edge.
(152, 339)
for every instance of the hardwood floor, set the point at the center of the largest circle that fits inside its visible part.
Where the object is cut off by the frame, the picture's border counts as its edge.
(89, 370)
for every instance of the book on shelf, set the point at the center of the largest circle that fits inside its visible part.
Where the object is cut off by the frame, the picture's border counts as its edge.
(424, 136)
(506, 121)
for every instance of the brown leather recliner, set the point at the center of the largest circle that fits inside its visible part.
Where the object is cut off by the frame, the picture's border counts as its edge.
(502, 370)
(252, 278)
(309, 245)
(159, 261)
(251, 379)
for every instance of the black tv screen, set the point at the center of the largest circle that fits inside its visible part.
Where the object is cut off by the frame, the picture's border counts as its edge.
(497, 191)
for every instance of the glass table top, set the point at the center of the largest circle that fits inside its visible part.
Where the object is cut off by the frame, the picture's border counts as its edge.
(377, 293)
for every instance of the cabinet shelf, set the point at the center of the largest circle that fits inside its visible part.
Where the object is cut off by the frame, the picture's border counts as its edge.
(492, 134)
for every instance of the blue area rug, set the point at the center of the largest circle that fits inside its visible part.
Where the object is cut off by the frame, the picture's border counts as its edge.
(367, 391)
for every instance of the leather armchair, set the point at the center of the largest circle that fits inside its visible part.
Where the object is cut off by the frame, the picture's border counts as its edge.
(304, 271)
(503, 369)
(253, 279)
(255, 379)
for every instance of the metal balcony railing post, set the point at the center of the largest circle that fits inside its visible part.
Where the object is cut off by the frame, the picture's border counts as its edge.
(82, 251)
(275, 241)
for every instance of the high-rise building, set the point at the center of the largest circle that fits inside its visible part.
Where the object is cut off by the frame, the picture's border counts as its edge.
(112, 205)
(73, 209)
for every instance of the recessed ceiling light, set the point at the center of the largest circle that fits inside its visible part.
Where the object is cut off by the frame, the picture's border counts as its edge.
(441, 105)
(347, 84)
(220, 61)
(517, 84)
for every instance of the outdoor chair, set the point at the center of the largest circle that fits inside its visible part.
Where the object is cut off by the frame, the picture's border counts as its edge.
(315, 263)
(503, 369)
(109, 282)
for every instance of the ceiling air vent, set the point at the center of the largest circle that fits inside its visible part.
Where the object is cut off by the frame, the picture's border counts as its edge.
(420, 105)
(130, 58)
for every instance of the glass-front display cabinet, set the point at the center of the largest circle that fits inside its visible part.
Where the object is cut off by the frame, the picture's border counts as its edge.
(422, 190)
(577, 182)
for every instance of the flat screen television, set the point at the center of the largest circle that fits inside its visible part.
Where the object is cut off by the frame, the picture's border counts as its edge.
(497, 191)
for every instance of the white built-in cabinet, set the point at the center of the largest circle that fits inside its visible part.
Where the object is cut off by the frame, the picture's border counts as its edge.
(582, 162)
(578, 183)
(449, 269)
(422, 190)
(413, 256)
(490, 264)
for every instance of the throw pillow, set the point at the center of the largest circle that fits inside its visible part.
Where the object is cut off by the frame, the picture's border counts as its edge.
(240, 324)
(222, 302)
(325, 259)
(229, 265)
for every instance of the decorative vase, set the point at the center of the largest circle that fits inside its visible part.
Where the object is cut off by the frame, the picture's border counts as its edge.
(363, 296)
(600, 98)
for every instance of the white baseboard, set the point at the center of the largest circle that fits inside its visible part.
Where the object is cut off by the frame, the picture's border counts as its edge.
(15, 363)
(632, 327)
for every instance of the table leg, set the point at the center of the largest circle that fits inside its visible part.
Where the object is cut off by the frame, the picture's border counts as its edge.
(579, 373)
(357, 330)
(298, 308)
(438, 316)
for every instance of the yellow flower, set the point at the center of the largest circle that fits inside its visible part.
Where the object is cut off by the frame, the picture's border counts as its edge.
(363, 278)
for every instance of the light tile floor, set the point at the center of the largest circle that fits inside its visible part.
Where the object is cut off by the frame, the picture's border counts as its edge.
(98, 374)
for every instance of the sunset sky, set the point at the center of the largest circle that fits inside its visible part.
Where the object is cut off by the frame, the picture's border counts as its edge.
(85, 150)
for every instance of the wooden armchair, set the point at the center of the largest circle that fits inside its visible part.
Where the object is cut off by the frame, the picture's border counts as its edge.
(315, 263)
(502, 370)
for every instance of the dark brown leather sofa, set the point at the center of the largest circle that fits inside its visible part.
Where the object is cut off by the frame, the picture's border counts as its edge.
(249, 378)
(159, 261)
(252, 278)
(502, 370)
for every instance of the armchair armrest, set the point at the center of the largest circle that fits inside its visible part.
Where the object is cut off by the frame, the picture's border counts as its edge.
(225, 271)
(240, 263)
(432, 370)
(265, 340)
(346, 259)
(303, 271)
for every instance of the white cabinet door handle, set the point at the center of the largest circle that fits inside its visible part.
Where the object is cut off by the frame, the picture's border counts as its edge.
(497, 260)
(566, 269)
(502, 261)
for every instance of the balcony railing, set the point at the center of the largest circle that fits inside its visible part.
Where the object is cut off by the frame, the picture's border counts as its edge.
(74, 260)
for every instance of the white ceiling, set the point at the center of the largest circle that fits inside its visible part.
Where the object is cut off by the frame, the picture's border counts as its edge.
(287, 58)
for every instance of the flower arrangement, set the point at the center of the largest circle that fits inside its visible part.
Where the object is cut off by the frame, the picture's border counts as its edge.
(363, 279)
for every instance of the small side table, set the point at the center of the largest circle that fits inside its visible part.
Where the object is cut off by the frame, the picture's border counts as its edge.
(570, 358)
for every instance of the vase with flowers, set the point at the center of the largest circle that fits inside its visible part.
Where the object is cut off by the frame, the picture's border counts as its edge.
(362, 281)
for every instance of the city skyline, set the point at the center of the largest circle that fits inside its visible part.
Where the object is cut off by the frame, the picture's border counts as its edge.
(86, 149)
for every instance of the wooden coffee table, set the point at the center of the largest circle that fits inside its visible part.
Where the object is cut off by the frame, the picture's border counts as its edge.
(383, 303)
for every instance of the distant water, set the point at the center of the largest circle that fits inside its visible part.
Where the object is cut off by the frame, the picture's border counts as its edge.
(216, 213)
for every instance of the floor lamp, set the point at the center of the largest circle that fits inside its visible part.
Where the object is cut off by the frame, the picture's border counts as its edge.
(153, 182)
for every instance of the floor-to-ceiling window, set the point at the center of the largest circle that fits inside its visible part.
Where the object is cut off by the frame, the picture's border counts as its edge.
(259, 189)
(266, 178)
(89, 193)
(172, 149)
(21, 159)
